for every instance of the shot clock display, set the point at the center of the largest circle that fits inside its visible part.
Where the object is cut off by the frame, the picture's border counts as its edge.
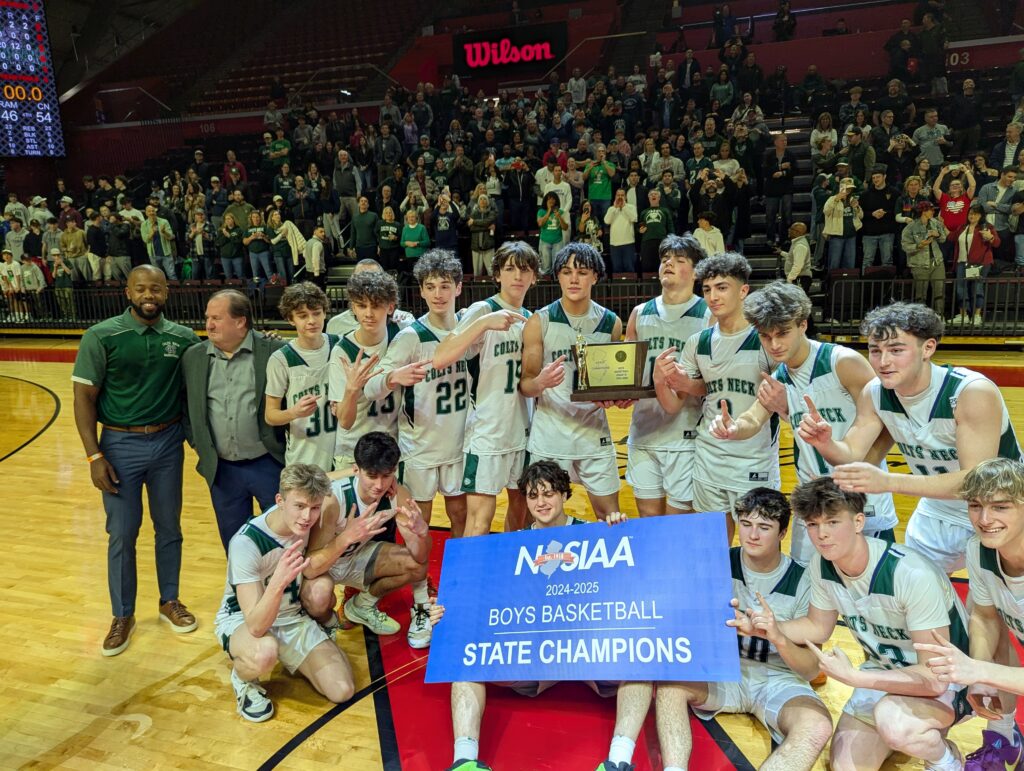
(29, 111)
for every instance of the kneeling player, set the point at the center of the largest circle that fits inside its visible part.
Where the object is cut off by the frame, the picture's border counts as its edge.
(341, 549)
(994, 491)
(891, 597)
(546, 487)
(769, 587)
(261, 620)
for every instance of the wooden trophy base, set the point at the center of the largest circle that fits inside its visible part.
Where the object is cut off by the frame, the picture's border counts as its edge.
(611, 394)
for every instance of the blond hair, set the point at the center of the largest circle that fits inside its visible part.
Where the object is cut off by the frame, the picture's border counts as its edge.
(994, 478)
(304, 478)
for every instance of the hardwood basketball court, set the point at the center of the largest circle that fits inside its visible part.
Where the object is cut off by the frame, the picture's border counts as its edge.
(167, 702)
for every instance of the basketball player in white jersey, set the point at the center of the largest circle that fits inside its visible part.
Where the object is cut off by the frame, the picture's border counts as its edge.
(297, 379)
(726, 362)
(994, 491)
(261, 620)
(945, 420)
(890, 597)
(831, 375)
(348, 320)
(546, 487)
(431, 402)
(769, 587)
(355, 359)
(353, 544)
(573, 434)
(490, 337)
(661, 445)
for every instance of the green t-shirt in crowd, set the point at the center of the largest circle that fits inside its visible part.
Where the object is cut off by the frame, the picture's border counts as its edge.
(658, 223)
(388, 234)
(600, 187)
(257, 245)
(276, 146)
(551, 232)
(419, 234)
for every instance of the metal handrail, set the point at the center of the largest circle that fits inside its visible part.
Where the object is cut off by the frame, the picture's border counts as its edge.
(544, 77)
(795, 12)
(133, 88)
(332, 68)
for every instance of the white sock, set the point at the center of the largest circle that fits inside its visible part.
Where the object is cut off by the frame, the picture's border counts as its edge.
(948, 761)
(466, 749)
(421, 597)
(1003, 726)
(621, 750)
(365, 600)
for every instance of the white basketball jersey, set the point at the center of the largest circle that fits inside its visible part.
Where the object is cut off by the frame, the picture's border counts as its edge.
(664, 326)
(731, 368)
(302, 372)
(788, 591)
(253, 554)
(818, 379)
(381, 415)
(499, 416)
(563, 428)
(344, 490)
(899, 592)
(990, 586)
(432, 413)
(924, 428)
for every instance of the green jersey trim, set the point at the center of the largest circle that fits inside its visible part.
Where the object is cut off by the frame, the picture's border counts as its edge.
(424, 334)
(942, 407)
(263, 542)
(650, 308)
(989, 559)
(697, 310)
(607, 324)
(888, 401)
(752, 343)
(704, 342)
(557, 314)
(823, 361)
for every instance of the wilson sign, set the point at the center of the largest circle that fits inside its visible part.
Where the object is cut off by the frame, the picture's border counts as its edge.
(537, 47)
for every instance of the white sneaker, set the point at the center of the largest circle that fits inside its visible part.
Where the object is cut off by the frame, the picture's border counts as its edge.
(419, 627)
(373, 618)
(978, 321)
(252, 700)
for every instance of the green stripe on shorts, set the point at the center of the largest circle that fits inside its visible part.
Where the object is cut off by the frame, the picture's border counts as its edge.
(469, 473)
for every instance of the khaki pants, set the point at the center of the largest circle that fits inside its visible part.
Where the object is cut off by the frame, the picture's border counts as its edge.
(933, 275)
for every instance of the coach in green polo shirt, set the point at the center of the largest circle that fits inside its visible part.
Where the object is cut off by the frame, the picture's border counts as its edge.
(127, 376)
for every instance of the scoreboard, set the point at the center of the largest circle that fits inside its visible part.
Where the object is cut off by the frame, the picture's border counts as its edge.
(29, 110)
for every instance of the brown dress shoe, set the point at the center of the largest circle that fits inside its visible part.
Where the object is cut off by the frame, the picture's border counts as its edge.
(178, 616)
(120, 633)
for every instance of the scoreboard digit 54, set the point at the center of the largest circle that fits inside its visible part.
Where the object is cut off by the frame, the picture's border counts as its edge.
(29, 110)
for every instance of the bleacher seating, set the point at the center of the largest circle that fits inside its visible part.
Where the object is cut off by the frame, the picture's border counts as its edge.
(341, 45)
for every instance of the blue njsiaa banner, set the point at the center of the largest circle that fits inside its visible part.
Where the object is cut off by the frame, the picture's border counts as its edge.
(643, 600)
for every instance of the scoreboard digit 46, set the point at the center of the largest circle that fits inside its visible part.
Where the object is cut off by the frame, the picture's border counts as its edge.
(29, 110)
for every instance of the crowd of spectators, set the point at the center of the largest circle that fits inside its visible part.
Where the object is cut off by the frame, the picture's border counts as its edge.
(615, 159)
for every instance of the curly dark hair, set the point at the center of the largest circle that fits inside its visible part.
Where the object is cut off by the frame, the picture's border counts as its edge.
(776, 306)
(727, 265)
(305, 293)
(915, 319)
(584, 255)
(372, 286)
(438, 263)
(542, 471)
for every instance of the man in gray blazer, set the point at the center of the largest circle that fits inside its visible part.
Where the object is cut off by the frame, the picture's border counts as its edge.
(240, 456)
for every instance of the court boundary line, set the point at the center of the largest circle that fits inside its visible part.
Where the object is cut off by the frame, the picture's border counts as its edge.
(56, 412)
(387, 735)
(371, 688)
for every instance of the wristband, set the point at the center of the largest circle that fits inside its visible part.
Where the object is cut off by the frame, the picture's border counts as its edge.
(94, 457)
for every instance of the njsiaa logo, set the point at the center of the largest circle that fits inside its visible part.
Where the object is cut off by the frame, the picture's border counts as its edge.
(574, 555)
